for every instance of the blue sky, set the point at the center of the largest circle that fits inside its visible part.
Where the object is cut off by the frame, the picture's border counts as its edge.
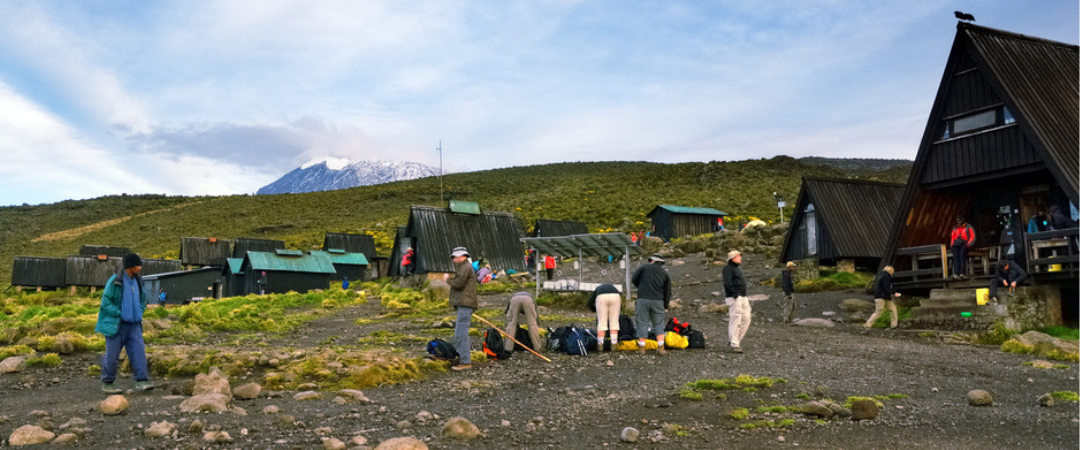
(223, 97)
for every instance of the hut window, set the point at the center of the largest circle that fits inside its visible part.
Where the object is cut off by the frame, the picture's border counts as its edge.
(974, 122)
(970, 123)
(1007, 115)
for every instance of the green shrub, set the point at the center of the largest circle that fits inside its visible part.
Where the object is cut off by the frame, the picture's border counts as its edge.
(46, 360)
(996, 336)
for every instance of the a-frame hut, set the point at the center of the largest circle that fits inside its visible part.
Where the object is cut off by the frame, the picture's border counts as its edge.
(1001, 143)
(204, 251)
(243, 245)
(402, 242)
(670, 221)
(232, 277)
(840, 219)
(434, 232)
(555, 228)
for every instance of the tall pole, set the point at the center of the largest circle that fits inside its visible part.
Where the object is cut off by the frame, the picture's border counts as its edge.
(442, 200)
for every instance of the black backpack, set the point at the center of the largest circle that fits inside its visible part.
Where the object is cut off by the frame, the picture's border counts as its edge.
(522, 336)
(696, 339)
(557, 338)
(493, 345)
(441, 350)
(576, 342)
(626, 328)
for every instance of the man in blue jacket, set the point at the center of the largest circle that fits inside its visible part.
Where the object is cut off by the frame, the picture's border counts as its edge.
(120, 320)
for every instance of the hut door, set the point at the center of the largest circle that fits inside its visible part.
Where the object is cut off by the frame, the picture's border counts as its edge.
(811, 230)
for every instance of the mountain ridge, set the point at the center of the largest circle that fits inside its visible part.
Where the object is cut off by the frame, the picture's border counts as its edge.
(333, 174)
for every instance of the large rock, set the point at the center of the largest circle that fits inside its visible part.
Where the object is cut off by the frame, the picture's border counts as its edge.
(29, 435)
(63, 345)
(1046, 400)
(1043, 341)
(247, 391)
(852, 305)
(814, 322)
(214, 382)
(12, 364)
(333, 444)
(630, 435)
(402, 443)
(160, 429)
(213, 403)
(217, 437)
(460, 428)
(66, 438)
(306, 395)
(651, 244)
(979, 397)
(864, 409)
(713, 308)
(816, 409)
(113, 405)
(353, 396)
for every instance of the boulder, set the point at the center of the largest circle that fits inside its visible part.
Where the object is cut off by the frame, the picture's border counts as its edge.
(437, 290)
(214, 382)
(979, 397)
(816, 409)
(864, 409)
(460, 428)
(814, 323)
(113, 405)
(247, 391)
(1043, 342)
(402, 443)
(29, 435)
(713, 308)
(12, 364)
(66, 438)
(333, 444)
(160, 429)
(217, 437)
(63, 345)
(306, 395)
(353, 396)
(629, 435)
(271, 409)
(357, 441)
(213, 403)
(837, 410)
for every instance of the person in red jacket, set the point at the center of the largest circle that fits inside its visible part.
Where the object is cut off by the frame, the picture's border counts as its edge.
(961, 239)
(407, 262)
(549, 266)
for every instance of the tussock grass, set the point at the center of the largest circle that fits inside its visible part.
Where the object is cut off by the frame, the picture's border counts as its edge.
(46, 360)
(1070, 396)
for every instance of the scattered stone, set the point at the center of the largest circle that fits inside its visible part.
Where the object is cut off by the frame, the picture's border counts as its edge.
(217, 437)
(247, 391)
(1042, 364)
(460, 428)
(271, 409)
(29, 435)
(609, 363)
(814, 323)
(353, 395)
(113, 405)
(13, 364)
(212, 403)
(323, 431)
(160, 429)
(504, 423)
(214, 382)
(239, 411)
(816, 409)
(837, 410)
(306, 395)
(73, 423)
(979, 397)
(333, 444)
(403, 425)
(1046, 400)
(630, 435)
(196, 426)
(185, 388)
(780, 439)
(402, 443)
(713, 308)
(357, 441)
(864, 410)
(423, 416)
(286, 421)
(66, 438)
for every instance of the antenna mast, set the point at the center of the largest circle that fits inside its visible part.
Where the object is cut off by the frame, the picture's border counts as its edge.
(439, 149)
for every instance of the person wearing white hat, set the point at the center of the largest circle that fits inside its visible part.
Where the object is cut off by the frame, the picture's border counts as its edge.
(654, 294)
(735, 294)
(463, 297)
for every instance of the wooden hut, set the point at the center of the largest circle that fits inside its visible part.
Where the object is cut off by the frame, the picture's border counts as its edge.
(184, 286)
(434, 232)
(232, 277)
(286, 270)
(554, 228)
(670, 221)
(402, 242)
(93, 250)
(840, 219)
(39, 272)
(152, 266)
(243, 245)
(90, 271)
(346, 265)
(208, 251)
(350, 243)
(1000, 144)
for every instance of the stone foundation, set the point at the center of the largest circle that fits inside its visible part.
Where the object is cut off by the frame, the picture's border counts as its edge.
(1032, 307)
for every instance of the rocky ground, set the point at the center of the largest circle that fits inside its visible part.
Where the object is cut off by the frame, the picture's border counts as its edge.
(587, 402)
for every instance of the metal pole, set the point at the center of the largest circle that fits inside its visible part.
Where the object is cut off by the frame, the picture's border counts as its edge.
(580, 263)
(441, 199)
(626, 285)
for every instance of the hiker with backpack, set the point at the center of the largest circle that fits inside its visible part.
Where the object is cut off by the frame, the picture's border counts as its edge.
(463, 297)
(522, 304)
(607, 302)
(654, 295)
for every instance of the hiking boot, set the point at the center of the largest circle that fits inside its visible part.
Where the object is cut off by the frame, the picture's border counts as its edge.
(661, 350)
(641, 349)
(110, 388)
(461, 367)
(144, 386)
(736, 349)
(606, 347)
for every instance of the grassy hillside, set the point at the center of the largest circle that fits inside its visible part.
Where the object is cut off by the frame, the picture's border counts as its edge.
(604, 195)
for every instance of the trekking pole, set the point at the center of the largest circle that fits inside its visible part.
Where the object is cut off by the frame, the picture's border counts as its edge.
(511, 338)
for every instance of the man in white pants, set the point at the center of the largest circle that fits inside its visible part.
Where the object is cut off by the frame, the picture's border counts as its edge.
(735, 295)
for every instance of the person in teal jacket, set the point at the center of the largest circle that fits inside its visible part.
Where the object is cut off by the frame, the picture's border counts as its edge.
(120, 321)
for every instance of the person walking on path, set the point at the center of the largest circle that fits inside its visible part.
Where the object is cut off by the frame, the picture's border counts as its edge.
(120, 321)
(1008, 274)
(549, 266)
(739, 313)
(463, 297)
(787, 282)
(607, 302)
(961, 239)
(654, 295)
(883, 298)
(522, 304)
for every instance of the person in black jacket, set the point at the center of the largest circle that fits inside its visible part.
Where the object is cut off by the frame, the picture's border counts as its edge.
(607, 302)
(1008, 274)
(654, 295)
(883, 298)
(787, 283)
(735, 295)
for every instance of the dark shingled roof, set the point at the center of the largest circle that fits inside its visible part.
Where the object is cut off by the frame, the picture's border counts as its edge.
(351, 243)
(856, 215)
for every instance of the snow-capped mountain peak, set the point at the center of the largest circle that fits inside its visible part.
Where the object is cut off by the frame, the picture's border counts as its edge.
(328, 174)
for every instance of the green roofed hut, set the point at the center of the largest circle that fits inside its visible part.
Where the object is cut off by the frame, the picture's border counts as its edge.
(232, 277)
(286, 270)
(346, 264)
(670, 221)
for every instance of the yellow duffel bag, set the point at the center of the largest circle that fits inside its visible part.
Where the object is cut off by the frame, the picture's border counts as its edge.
(675, 340)
(631, 345)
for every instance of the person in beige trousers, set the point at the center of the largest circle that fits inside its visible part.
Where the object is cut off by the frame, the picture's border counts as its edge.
(883, 298)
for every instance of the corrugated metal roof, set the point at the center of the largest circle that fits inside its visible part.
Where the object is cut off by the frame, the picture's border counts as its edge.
(279, 263)
(244, 245)
(352, 243)
(1041, 79)
(235, 264)
(687, 210)
(353, 259)
(596, 244)
(549, 228)
(491, 235)
(856, 214)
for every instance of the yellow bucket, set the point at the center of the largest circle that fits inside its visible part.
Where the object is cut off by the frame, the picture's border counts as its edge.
(982, 296)
(1054, 268)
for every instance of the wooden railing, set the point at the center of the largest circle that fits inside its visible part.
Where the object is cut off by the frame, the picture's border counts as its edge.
(926, 262)
(1053, 251)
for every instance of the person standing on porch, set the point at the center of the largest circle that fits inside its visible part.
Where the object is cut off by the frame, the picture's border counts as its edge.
(961, 239)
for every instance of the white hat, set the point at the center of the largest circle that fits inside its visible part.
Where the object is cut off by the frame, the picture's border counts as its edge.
(732, 254)
(656, 258)
(459, 251)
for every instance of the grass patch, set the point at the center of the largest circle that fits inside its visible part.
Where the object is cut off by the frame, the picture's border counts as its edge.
(1069, 396)
(575, 300)
(1071, 334)
(803, 396)
(688, 394)
(890, 397)
(46, 360)
(15, 350)
(740, 382)
(772, 409)
(1014, 346)
(740, 413)
(996, 336)
(386, 338)
(853, 399)
(902, 312)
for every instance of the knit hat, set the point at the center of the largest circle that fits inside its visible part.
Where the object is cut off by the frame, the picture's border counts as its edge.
(732, 254)
(132, 260)
(459, 251)
(656, 258)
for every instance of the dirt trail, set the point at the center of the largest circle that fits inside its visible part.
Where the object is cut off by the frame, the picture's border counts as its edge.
(73, 233)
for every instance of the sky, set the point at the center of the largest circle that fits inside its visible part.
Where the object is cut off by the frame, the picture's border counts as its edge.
(212, 97)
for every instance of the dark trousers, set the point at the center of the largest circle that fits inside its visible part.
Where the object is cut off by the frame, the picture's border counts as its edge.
(994, 285)
(129, 338)
(550, 273)
(959, 258)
